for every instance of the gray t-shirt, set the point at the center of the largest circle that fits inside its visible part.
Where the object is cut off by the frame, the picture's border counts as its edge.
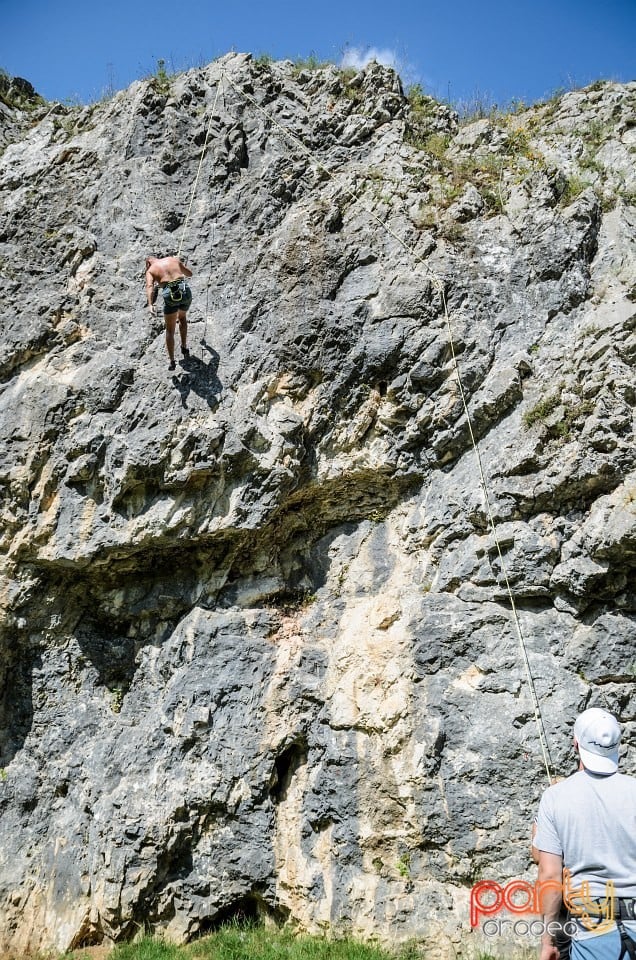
(590, 821)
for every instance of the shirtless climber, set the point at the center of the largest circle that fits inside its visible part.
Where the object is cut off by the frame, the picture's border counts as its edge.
(170, 273)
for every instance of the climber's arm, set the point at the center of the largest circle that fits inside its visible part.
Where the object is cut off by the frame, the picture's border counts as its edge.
(150, 288)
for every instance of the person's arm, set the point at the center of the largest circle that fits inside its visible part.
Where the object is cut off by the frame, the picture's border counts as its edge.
(186, 271)
(150, 287)
(550, 896)
(534, 853)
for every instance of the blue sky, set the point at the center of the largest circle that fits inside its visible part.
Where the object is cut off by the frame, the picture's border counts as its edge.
(500, 49)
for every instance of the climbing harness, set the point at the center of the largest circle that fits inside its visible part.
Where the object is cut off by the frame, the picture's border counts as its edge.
(438, 284)
(621, 909)
(175, 290)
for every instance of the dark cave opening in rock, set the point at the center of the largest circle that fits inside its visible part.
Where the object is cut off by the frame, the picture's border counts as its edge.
(111, 652)
(248, 910)
(89, 935)
(286, 766)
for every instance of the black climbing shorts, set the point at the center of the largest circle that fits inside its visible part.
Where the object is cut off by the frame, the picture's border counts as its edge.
(176, 299)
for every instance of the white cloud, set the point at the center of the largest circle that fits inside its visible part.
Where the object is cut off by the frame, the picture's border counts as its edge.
(359, 57)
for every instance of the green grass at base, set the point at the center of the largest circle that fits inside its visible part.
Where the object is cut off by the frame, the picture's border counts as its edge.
(259, 943)
(149, 949)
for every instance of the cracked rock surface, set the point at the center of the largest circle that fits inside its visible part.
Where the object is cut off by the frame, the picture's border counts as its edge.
(256, 648)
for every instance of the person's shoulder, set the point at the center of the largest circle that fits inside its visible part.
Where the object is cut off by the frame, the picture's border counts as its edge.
(624, 781)
(556, 790)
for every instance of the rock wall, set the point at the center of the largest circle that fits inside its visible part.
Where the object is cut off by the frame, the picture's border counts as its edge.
(256, 651)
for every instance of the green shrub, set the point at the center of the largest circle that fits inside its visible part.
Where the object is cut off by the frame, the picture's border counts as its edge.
(437, 144)
(597, 132)
(162, 79)
(422, 106)
(573, 414)
(574, 411)
(541, 410)
(419, 101)
(573, 187)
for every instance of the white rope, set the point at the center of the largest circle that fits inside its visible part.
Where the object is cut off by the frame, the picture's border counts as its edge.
(439, 285)
(196, 179)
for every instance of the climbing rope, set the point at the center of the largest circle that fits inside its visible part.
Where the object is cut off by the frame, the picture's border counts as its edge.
(543, 740)
(439, 286)
(196, 179)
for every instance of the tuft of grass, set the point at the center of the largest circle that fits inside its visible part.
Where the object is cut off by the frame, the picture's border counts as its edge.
(479, 106)
(517, 141)
(424, 111)
(574, 186)
(589, 162)
(263, 60)
(162, 79)
(437, 144)
(573, 412)
(310, 64)
(117, 699)
(541, 410)
(597, 132)
(421, 104)
(67, 123)
(351, 93)
(150, 948)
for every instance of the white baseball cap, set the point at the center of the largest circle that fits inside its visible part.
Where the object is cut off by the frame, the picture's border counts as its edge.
(598, 735)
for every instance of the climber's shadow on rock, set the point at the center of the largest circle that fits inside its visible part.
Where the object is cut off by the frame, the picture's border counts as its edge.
(199, 376)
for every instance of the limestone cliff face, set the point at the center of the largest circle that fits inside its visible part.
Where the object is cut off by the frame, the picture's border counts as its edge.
(256, 652)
